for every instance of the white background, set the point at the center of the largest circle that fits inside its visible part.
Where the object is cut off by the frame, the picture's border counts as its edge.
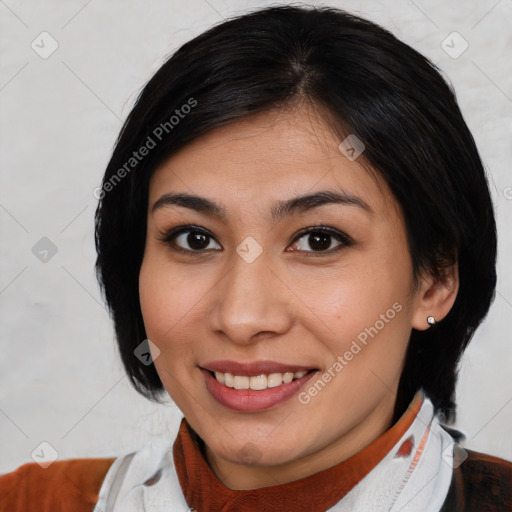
(61, 380)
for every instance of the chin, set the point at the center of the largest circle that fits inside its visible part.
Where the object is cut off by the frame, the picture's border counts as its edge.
(257, 452)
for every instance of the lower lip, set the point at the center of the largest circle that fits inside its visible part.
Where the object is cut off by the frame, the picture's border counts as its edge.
(247, 400)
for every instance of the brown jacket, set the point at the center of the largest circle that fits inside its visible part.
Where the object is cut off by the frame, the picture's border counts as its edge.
(482, 483)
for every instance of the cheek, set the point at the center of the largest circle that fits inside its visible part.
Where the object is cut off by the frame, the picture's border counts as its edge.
(167, 296)
(362, 310)
(348, 300)
(167, 301)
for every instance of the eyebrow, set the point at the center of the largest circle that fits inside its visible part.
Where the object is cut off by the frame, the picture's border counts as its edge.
(280, 210)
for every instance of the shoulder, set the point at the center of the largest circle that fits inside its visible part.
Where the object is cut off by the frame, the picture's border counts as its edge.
(71, 484)
(480, 482)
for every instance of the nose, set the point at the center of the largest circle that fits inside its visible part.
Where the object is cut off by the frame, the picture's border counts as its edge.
(251, 302)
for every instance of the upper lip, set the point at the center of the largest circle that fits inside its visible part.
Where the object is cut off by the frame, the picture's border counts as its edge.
(253, 368)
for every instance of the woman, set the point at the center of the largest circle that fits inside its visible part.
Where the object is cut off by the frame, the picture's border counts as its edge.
(296, 241)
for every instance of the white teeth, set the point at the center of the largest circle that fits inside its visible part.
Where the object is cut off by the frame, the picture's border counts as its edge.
(229, 380)
(287, 377)
(274, 379)
(241, 382)
(257, 382)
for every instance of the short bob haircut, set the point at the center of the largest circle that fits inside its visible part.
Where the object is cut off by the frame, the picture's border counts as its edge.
(362, 80)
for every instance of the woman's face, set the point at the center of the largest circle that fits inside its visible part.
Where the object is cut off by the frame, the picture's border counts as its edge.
(246, 285)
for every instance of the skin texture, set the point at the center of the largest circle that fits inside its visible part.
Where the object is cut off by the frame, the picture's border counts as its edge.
(292, 304)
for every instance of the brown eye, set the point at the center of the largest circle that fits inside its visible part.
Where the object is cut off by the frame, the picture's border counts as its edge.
(194, 239)
(190, 239)
(321, 240)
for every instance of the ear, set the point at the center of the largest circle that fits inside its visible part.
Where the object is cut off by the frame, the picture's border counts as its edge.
(435, 298)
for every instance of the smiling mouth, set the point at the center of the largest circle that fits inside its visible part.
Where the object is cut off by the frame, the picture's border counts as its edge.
(254, 386)
(258, 382)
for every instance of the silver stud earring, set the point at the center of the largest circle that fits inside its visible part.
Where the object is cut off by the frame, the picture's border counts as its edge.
(431, 320)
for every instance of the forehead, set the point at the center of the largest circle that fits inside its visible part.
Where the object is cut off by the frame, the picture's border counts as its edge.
(267, 157)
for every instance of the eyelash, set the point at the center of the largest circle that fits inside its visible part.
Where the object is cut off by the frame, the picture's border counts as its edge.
(345, 241)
